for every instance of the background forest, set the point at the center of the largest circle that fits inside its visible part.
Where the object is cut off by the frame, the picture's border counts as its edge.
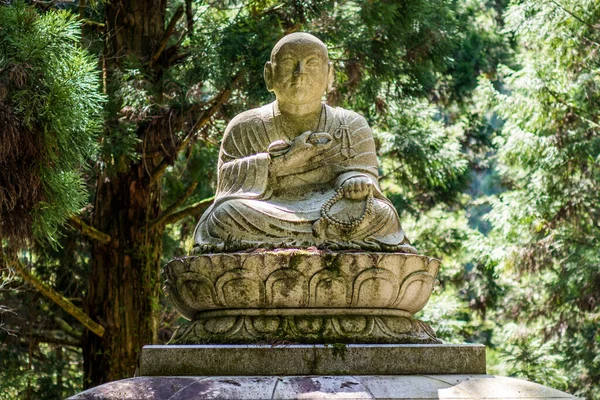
(486, 115)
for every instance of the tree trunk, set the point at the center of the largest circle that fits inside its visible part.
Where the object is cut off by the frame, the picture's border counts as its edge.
(124, 285)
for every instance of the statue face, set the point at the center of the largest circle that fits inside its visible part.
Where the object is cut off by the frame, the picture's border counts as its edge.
(299, 72)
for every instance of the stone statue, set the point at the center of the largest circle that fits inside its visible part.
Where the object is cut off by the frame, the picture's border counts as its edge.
(298, 173)
(298, 187)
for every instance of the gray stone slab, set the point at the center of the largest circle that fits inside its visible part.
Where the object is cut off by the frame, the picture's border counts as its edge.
(282, 360)
(315, 387)
(447, 387)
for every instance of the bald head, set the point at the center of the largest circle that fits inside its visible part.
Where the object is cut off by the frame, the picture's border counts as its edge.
(300, 39)
(299, 71)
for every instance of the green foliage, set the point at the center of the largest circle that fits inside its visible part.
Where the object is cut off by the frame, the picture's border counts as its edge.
(196, 165)
(65, 195)
(531, 358)
(422, 156)
(546, 225)
(388, 49)
(35, 361)
(481, 45)
(51, 374)
(486, 119)
(50, 102)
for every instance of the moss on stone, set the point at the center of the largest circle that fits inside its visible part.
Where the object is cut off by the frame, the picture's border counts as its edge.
(339, 350)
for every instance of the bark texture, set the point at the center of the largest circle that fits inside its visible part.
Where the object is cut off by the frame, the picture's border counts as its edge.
(124, 284)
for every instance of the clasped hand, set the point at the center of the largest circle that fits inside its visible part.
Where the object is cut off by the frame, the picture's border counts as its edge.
(357, 188)
(300, 154)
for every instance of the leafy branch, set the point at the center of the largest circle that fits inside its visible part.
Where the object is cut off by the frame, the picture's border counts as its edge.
(56, 297)
(193, 209)
(160, 221)
(165, 39)
(572, 14)
(88, 230)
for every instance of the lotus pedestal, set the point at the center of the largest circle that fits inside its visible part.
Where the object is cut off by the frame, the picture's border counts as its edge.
(301, 296)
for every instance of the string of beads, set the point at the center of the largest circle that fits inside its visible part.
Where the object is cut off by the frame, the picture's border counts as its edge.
(353, 222)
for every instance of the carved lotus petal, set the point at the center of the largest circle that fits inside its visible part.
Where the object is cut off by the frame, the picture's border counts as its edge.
(220, 325)
(301, 282)
(309, 324)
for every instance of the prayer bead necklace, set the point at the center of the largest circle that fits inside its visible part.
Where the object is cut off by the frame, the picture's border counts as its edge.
(353, 222)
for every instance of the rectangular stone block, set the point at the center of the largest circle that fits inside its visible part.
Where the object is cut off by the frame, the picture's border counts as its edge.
(282, 360)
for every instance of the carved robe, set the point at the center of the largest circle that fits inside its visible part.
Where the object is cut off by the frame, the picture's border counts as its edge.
(255, 209)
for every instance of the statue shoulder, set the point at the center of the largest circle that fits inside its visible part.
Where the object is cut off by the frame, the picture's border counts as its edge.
(245, 135)
(351, 118)
(249, 117)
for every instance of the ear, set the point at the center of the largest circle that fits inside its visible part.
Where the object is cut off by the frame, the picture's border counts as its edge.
(330, 77)
(268, 74)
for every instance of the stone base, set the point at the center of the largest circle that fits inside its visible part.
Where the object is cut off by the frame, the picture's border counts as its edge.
(305, 328)
(462, 387)
(305, 296)
(295, 279)
(338, 359)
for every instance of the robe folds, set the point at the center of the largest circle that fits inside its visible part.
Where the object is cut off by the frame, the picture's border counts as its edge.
(255, 209)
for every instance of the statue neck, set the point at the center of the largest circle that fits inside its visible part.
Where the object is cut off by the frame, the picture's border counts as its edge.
(293, 110)
(292, 124)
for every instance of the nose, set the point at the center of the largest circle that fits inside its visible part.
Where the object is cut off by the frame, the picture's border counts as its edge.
(299, 68)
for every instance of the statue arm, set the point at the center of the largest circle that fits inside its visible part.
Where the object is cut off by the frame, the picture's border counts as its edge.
(359, 172)
(362, 147)
(243, 169)
(244, 177)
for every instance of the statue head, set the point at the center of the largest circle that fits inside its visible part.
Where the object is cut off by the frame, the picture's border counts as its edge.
(299, 71)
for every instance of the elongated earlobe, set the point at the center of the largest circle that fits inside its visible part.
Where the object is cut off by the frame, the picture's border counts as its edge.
(330, 77)
(268, 74)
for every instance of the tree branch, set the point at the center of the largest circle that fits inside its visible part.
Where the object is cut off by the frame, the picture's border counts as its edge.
(165, 39)
(171, 209)
(97, 25)
(158, 171)
(54, 337)
(66, 328)
(189, 15)
(193, 209)
(89, 231)
(575, 110)
(217, 102)
(572, 14)
(57, 298)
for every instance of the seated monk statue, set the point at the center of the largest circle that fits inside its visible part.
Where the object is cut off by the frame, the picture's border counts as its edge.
(298, 173)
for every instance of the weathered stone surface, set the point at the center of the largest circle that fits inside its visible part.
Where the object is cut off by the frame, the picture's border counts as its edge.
(309, 296)
(447, 387)
(297, 172)
(216, 360)
(296, 280)
(306, 329)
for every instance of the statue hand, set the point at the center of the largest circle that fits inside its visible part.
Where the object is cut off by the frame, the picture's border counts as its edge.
(300, 152)
(308, 145)
(278, 148)
(357, 188)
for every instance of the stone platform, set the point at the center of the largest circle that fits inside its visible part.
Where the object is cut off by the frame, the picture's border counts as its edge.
(338, 359)
(446, 387)
(176, 372)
